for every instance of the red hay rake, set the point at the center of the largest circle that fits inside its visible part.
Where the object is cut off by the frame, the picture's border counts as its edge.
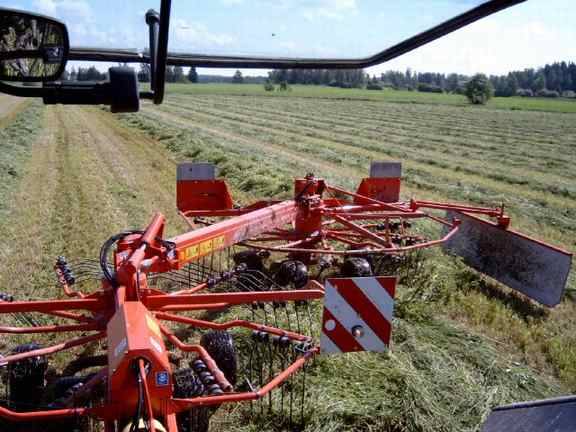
(236, 300)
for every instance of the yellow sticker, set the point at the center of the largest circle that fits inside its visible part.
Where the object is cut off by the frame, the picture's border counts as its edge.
(203, 248)
(218, 243)
(190, 253)
(206, 247)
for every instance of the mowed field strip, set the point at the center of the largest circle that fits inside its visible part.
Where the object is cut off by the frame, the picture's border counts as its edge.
(85, 178)
(78, 175)
(522, 159)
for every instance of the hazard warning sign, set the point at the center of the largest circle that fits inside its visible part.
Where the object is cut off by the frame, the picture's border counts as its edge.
(357, 314)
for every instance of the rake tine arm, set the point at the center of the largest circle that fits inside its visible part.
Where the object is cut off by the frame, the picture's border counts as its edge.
(49, 306)
(390, 250)
(189, 308)
(341, 238)
(85, 390)
(363, 231)
(387, 206)
(391, 215)
(290, 245)
(197, 301)
(197, 288)
(230, 324)
(454, 229)
(199, 349)
(497, 213)
(52, 349)
(184, 404)
(358, 208)
(36, 416)
(49, 329)
(416, 204)
(65, 286)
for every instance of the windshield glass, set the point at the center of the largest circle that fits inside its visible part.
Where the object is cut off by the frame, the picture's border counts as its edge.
(305, 28)
(295, 28)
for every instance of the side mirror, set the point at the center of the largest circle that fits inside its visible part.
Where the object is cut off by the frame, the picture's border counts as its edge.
(33, 48)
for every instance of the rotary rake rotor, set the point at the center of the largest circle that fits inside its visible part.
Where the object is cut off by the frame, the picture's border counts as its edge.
(174, 331)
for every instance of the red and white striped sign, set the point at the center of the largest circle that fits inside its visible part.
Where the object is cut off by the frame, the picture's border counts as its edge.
(357, 314)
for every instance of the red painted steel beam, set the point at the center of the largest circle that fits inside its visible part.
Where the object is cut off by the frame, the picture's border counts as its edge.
(52, 349)
(46, 306)
(165, 302)
(230, 324)
(232, 231)
(49, 329)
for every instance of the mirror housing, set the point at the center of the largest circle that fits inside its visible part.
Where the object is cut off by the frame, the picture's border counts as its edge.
(33, 48)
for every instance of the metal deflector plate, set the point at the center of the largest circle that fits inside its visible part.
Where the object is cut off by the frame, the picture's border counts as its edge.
(552, 415)
(536, 269)
(196, 171)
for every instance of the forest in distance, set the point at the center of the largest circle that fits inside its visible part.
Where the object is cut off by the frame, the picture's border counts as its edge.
(552, 80)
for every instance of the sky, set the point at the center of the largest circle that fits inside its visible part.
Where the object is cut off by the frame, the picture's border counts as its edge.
(528, 35)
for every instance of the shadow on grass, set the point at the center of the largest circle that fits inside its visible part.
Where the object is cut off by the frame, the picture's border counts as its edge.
(527, 309)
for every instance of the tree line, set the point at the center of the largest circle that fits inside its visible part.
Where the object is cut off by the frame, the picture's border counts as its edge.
(353, 78)
(551, 80)
(174, 74)
(84, 74)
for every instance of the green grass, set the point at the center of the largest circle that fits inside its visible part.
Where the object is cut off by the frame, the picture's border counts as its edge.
(461, 344)
(399, 96)
(16, 138)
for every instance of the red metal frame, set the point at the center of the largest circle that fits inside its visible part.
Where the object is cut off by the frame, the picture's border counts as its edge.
(130, 314)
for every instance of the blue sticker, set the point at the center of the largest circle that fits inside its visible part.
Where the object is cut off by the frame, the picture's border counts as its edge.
(162, 379)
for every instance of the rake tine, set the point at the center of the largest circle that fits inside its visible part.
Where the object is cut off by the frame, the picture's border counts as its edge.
(270, 373)
(260, 375)
(291, 389)
(274, 307)
(250, 377)
(310, 321)
(212, 262)
(243, 286)
(25, 319)
(283, 389)
(303, 398)
(296, 308)
(288, 318)
(264, 309)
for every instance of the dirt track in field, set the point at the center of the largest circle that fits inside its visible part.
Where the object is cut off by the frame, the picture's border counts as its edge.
(87, 179)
